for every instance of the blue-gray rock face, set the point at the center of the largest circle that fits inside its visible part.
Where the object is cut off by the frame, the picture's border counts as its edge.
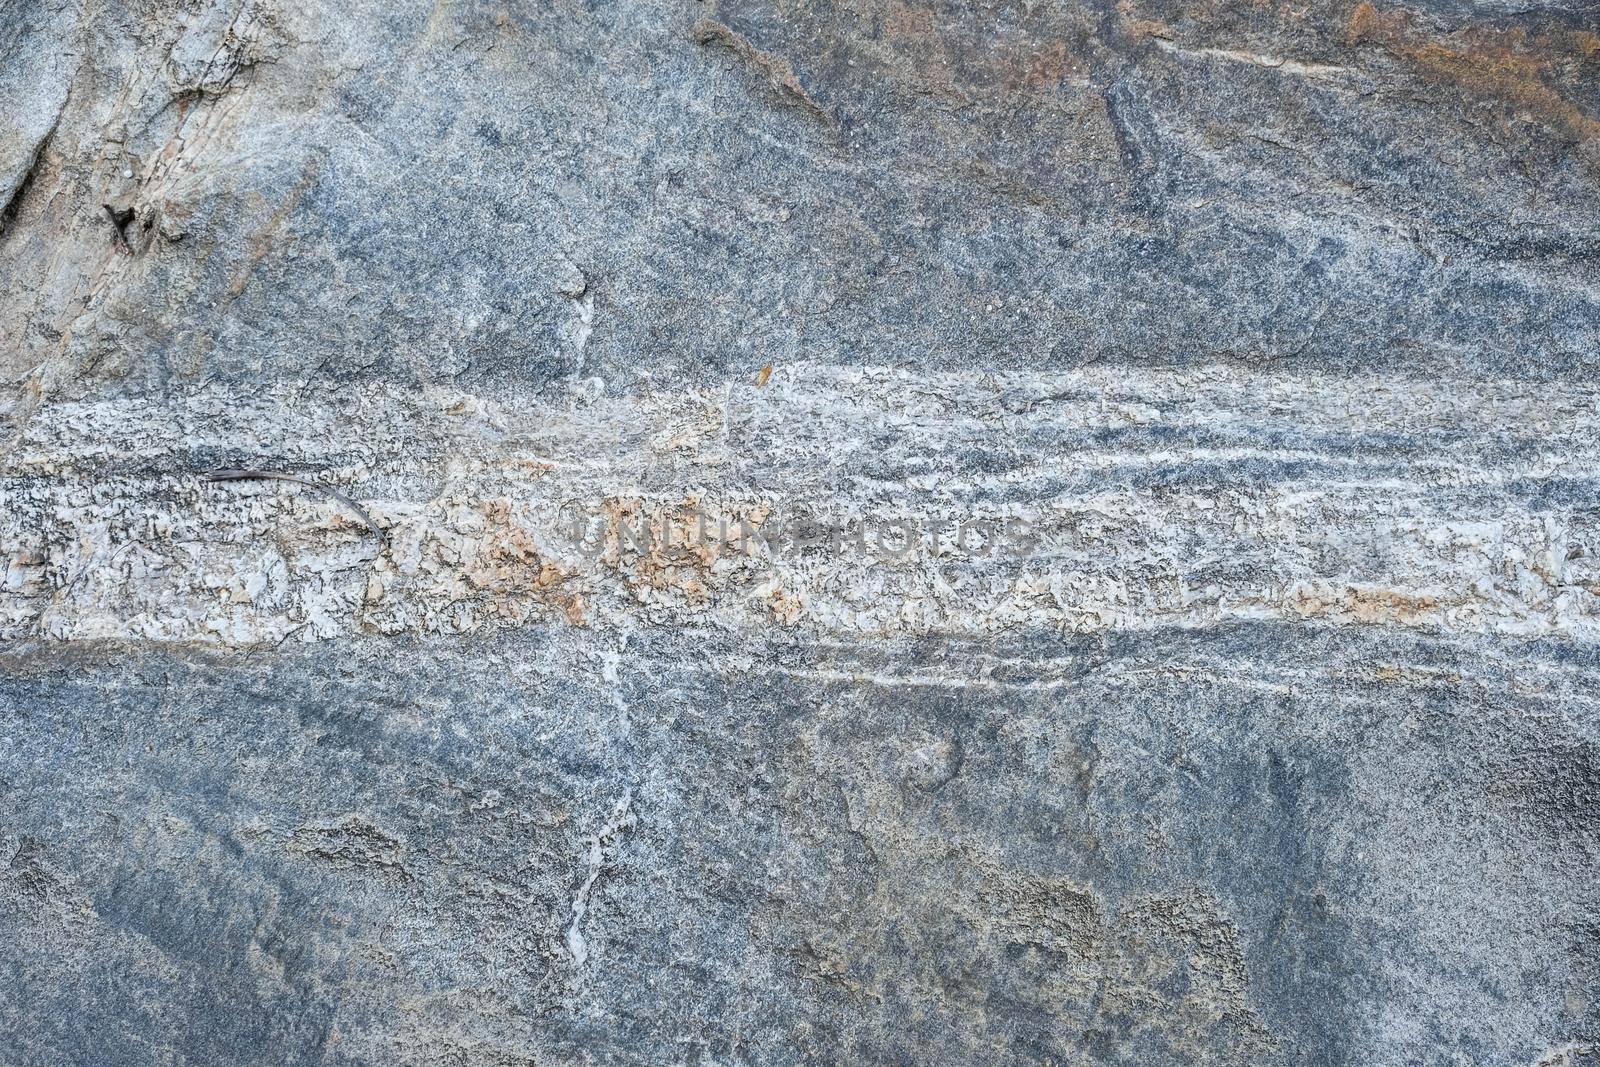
(751, 533)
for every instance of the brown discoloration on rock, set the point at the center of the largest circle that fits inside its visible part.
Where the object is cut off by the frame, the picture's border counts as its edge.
(778, 70)
(931, 52)
(923, 49)
(465, 565)
(1511, 66)
(575, 611)
(510, 562)
(1386, 605)
(1527, 71)
(1365, 22)
(679, 551)
(265, 239)
(1367, 605)
(786, 607)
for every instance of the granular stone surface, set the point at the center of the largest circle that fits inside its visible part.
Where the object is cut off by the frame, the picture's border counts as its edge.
(739, 532)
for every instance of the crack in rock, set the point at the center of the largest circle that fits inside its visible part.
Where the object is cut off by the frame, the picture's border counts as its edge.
(621, 818)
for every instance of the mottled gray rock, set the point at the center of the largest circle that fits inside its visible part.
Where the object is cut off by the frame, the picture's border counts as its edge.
(1266, 734)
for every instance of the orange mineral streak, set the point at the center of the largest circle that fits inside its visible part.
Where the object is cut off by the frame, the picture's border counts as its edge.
(1513, 67)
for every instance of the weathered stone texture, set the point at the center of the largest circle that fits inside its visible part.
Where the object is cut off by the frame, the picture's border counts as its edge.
(1276, 326)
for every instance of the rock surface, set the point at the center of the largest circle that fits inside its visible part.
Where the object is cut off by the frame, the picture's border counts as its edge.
(1226, 370)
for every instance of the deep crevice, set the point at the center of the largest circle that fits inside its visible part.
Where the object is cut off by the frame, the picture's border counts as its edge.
(13, 206)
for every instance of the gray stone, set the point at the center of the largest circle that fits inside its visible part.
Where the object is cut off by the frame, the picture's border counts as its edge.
(1231, 369)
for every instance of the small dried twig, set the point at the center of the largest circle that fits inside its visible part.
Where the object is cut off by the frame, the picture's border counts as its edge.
(244, 475)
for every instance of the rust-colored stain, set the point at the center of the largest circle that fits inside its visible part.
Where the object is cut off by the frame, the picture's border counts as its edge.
(1511, 66)
(509, 562)
(939, 52)
(1367, 605)
(575, 610)
(920, 47)
(673, 549)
